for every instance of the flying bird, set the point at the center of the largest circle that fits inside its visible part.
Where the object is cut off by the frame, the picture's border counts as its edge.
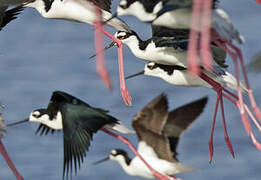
(198, 16)
(78, 121)
(218, 79)
(91, 12)
(158, 132)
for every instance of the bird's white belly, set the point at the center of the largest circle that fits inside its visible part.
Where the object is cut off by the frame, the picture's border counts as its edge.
(157, 164)
(138, 168)
(164, 55)
(179, 19)
(183, 78)
(73, 10)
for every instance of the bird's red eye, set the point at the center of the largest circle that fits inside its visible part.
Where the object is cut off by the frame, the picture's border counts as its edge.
(150, 67)
(120, 37)
(123, 6)
(35, 115)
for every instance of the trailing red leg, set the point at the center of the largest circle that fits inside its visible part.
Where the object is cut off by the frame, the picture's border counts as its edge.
(210, 142)
(218, 88)
(124, 92)
(9, 161)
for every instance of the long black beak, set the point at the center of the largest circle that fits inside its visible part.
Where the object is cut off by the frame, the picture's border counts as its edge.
(133, 75)
(101, 161)
(113, 16)
(107, 47)
(19, 122)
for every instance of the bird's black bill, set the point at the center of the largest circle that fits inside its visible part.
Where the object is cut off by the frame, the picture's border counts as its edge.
(19, 122)
(113, 16)
(101, 161)
(107, 47)
(133, 75)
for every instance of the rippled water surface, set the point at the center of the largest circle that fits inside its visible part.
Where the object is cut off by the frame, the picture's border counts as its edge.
(40, 56)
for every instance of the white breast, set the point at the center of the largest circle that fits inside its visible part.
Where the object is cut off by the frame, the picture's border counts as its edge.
(137, 167)
(56, 123)
(161, 55)
(183, 78)
(179, 19)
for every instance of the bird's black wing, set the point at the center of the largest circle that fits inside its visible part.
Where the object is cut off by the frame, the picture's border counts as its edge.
(219, 55)
(13, 2)
(149, 124)
(152, 116)
(149, 5)
(58, 98)
(79, 125)
(169, 5)
(177, 44)
(10, 15)
(160, 31)
(44, 130)
(180, 119)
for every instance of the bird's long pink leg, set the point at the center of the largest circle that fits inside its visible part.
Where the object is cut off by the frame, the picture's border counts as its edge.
(124, 92)
(239, 92)
(245, 120)
(9, 161)
(218, 88)
(205, 52)
(257, 144)
(133, 149)
(247, 125)
(250, 91)
(193, 59)
(227, 140)
(100, 65)
(210, 142)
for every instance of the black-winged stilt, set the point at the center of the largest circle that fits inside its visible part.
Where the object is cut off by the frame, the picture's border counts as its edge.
(91, 12)
(218, 79)
(158, 132)
(78, 120)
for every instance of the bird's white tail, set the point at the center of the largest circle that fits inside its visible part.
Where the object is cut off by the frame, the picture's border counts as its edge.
(230, 81)
(181, 168)
(119, 128)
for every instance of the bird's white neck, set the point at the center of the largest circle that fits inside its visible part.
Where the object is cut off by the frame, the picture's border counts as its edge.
(133, 43)
(78, 10)
(128, 168)
(55, 123)
(137, 167)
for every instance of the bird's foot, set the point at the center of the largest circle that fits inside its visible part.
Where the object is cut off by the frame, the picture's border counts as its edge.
(126, 97)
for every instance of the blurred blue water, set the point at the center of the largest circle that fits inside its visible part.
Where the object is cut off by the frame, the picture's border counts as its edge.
(41, 56)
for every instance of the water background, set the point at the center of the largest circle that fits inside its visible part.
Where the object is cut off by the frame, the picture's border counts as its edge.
(41, 56)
